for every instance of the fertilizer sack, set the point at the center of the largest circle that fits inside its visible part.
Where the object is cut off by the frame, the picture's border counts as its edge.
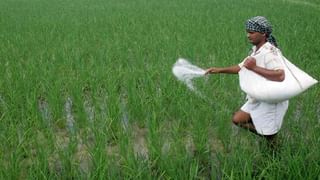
(296, 81)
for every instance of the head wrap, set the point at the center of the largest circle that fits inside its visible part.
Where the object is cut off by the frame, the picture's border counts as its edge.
(262, 25)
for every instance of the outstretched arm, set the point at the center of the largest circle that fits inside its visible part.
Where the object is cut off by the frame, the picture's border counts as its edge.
(273, 75)
(228, 70)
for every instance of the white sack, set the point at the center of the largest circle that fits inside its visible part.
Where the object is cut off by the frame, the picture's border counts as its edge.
(296, 81)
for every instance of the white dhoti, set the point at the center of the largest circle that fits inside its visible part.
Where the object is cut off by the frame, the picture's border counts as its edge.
(266, 117)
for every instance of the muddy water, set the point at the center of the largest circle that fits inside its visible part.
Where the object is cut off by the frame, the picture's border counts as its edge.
(124, 111)
(63, 137)
(140, 146)
(89, 109)
(44, 109)
(69, 115)
(318, 113)
(297, 114)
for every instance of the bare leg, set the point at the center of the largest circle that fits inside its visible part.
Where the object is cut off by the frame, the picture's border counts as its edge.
(243, 119)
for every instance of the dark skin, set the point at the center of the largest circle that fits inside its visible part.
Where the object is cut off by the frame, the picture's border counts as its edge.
(241, 118)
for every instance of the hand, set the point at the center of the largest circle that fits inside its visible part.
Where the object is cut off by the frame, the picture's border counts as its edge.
(250, 63)
(212, 70)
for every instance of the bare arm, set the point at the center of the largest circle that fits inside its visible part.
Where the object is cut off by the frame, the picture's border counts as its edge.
(228, 70)
(273, 75)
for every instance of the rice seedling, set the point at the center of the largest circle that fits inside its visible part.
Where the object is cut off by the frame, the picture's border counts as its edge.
(87, 91)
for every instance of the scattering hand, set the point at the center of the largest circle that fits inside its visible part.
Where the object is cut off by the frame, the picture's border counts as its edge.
(212, 70)
(250, 63)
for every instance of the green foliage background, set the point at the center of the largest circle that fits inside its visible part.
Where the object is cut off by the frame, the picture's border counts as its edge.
(130, 118)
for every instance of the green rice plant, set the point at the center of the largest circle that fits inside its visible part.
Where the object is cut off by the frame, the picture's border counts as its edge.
(106, 65)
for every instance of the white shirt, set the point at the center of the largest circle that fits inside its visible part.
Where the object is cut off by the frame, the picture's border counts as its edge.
(267, 56)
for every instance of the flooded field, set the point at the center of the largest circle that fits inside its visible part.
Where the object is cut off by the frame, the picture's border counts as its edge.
(87, 90)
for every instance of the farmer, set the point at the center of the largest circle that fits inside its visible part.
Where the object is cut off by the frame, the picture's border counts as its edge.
(262, 118)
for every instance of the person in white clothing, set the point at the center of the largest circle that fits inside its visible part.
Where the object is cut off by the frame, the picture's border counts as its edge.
(262, 118)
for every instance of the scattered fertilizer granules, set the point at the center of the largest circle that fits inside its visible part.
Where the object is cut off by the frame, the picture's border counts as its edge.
(186, 72)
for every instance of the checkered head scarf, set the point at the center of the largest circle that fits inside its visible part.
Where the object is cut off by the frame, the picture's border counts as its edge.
(262, 25)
